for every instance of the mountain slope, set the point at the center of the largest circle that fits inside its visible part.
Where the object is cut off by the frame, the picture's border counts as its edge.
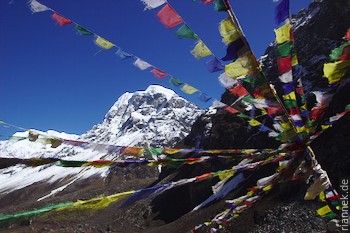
(156, 117)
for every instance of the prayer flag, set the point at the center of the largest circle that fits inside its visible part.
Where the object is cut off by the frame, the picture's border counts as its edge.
(159, 73)
(290, 96)
(122, 54)
(240, 67)
(218, 104)
(228, 31)
(82, 31)
(168, 16)
(62, 21)
(282, 11)
(188, 89)
(290, 103)
(324, 210)
(337, 52)
(219, 5)
(284, 65)
(200, 50)
(151, 4)
(347, 36)
(35, 6)
(286, 77)
(335, 71)
(283, 33)
(345, 55)
(214, 65)
(185, 32)
(233, 50)
(231, 110)
(226, 81)
(207, 1)
(239, 90)
(175, 82)
(287, 88)
(254, 122)
(285, 49)
(204, 97)
(142, 65)
(105, 44)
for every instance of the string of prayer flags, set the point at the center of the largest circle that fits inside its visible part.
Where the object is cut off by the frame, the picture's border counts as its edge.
(82, 31)
(200, 50)
(103, 43)
(61, 20)
(242, 66)
(142, 65)
(214, 65)
(185, 32)
(169, 17)
(123, 55)
(159, 73)
(151, 4)
(35, 6)
(188, 89)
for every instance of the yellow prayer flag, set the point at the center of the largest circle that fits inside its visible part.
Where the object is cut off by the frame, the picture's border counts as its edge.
(200, 50)
(283, 33)
(325, 126)
(267, 188)
(227, 174)
(254, 122)
(324, 210)
(290, 96)
(188, 89)
(335, 71)
(295, 61)
(1, 122)
(322, 196)
(105, 44)
(228, 31)
(242, 66)
(285, 125)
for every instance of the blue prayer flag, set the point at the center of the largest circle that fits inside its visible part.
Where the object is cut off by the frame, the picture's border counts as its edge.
(282, 11)
(214, 65)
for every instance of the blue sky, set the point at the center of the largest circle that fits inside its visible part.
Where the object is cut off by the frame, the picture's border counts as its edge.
(52, 78)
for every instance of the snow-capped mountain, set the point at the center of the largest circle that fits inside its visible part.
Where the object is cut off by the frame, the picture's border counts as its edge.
(156, 117)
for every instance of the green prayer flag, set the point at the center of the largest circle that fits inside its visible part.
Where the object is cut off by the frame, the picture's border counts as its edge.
(285, 49)
(334, 56)
(175, 82)
(185, 32)
(219, 5)
(71, 163)
(290, 103)
(347, 107)
(82, 31)
(241, 115)
(155, 151)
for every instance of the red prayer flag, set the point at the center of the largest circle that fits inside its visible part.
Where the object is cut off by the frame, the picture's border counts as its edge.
(62, 21)
(239, 90)
(345, 55)
(159, 73)
(273, 110)
(294, 111)
(168, 16)
(207, 1)
(316, 113)
(231, 110)
(347, 36)
(284, 65)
